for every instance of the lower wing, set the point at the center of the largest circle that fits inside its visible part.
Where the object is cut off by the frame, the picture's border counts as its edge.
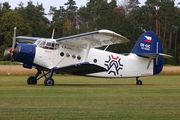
(80, 69)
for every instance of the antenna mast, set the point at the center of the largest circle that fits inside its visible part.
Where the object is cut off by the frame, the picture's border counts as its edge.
(53, 33)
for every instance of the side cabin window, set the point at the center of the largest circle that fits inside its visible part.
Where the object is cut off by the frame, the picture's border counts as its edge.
(47, 44)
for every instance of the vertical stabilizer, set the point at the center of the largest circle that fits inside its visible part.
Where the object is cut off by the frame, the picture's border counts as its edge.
(149, 45)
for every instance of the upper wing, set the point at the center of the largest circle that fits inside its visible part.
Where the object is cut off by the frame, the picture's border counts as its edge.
(91, 39)
(28, 39)
(94, 39)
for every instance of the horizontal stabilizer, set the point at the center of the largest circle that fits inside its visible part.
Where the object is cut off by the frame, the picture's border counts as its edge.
(165, 55)
(154, 55)
(80, 69)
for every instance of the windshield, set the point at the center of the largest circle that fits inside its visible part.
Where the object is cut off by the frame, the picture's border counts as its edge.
(47, 44)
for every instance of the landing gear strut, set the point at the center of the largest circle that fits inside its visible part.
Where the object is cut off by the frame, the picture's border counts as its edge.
(138, 82)
(32, 80)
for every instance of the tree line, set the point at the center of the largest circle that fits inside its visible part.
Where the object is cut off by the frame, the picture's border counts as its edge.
(128, 18)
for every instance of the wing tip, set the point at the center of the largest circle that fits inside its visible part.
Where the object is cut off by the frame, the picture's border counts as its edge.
(105, 31)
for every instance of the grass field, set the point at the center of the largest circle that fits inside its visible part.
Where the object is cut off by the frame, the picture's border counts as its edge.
(19, 70)
(85, 98)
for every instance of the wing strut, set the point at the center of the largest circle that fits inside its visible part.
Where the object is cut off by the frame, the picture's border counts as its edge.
(149, 63)
(106, 48)
(87, 50)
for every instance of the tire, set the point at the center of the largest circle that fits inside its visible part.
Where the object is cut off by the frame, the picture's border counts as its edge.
(48, 82)
(31, 80)
(138, 82)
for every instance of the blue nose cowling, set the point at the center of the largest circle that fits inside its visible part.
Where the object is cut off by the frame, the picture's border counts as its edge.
(24, 53)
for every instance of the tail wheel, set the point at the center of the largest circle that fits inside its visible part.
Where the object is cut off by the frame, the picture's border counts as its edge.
(48, 82)
(31, 80)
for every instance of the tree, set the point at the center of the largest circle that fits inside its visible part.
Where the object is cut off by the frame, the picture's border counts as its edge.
(35, 17)
(57, 14)
(176, 32)
(71, 6)
(4, 7)
(71, 17)
(129, 20)
(8, 21)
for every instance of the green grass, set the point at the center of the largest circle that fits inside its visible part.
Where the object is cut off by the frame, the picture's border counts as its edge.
(9, 62)
(85, 98)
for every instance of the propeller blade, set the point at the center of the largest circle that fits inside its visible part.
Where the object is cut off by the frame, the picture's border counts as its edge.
(14, 39)
(6, 52)
(11, 50)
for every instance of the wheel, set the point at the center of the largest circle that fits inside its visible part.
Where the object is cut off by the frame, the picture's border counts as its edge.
(48, 82)
(138, 82)
(31, 80)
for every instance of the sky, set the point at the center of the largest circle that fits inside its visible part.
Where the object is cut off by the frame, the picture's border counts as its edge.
(48, 3)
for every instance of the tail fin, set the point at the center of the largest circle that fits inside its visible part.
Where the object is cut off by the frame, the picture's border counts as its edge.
(148, 42)
(149, 45)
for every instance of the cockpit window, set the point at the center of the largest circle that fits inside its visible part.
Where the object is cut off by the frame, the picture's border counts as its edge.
(42, 44)
(47, 44)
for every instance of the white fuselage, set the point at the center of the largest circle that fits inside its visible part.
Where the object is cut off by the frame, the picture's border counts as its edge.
(120, 65)
(117, 65)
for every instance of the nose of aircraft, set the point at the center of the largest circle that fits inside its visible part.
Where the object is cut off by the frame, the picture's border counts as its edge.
(23, 52)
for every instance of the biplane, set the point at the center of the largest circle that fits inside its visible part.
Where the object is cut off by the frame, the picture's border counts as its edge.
(79, 55)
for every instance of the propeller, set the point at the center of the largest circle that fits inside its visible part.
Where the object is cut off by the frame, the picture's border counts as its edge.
(14, 39)
(6, 52)
(11, 50)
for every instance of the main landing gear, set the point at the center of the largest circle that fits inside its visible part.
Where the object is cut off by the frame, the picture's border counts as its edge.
(138, 82)
(32, 80)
